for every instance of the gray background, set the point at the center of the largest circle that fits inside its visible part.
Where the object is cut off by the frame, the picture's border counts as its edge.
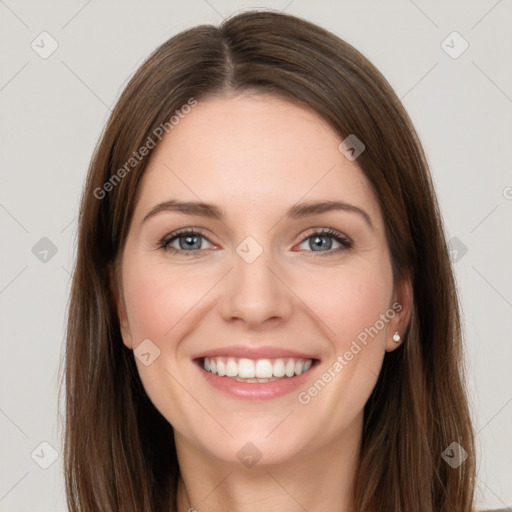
(53, 111)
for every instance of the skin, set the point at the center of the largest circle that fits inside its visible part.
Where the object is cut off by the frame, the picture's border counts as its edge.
(255, 156)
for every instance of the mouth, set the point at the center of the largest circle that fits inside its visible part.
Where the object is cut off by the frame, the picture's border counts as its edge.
(256, 379)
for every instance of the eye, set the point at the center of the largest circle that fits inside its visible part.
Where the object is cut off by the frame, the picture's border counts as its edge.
(322, 241)
(188, 240)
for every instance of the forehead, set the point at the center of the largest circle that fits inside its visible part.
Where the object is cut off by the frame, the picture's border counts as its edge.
(252, 150)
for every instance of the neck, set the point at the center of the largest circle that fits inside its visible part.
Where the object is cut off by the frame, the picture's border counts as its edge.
(315, 480)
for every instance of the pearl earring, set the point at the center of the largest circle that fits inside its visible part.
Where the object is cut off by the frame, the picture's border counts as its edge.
(396, 337)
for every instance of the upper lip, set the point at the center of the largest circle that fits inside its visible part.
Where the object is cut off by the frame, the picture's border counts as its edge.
(265, 352)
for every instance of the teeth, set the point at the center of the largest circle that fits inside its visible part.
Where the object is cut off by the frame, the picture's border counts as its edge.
(221, 368)
(289, 369)
(262, 370)
(231, 368)
(278, 368)
(246, 369)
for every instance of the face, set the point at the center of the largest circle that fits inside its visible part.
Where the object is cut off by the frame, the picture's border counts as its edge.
(288, 306)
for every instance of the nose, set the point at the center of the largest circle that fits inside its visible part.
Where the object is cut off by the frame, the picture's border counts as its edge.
(255, 294)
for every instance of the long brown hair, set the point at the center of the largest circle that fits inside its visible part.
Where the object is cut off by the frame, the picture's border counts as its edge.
(119, 450)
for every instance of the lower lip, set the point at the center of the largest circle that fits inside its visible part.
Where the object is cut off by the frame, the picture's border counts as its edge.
(255, 390)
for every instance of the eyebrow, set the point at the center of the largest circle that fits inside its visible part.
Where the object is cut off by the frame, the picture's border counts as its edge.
(295, 212)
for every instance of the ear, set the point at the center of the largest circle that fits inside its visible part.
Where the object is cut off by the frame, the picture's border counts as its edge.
(116, 290)
(402, 305)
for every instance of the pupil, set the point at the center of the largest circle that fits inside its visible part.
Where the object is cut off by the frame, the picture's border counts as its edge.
(319, 239)
(190, 240)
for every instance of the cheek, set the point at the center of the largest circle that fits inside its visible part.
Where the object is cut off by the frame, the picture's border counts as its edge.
(158, 297)
(349, 300)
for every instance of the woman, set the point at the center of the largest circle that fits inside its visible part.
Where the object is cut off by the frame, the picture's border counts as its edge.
(254, 372)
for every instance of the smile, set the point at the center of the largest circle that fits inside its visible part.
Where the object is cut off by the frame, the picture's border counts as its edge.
(256, 374)
(256, 371)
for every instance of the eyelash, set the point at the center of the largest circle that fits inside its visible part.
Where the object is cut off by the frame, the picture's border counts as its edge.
(345, 243)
